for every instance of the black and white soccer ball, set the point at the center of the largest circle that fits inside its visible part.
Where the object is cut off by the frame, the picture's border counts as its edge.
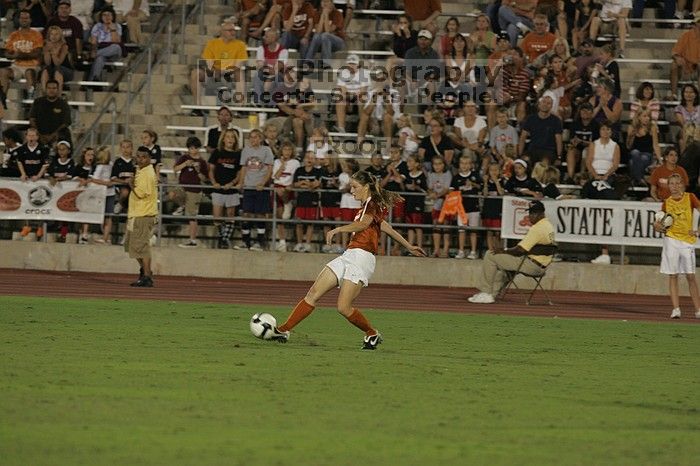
(262, 325)
(666, 220)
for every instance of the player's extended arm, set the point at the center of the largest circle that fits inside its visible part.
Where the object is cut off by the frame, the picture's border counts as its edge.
(396, 236)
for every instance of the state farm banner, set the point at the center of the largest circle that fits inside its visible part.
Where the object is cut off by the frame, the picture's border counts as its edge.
(589, 221)
(38, 200)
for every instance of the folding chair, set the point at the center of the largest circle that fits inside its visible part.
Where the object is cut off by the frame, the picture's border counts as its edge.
(536, 278)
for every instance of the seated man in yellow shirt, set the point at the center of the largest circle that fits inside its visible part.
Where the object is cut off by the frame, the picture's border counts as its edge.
(222, 63)
(538, 247)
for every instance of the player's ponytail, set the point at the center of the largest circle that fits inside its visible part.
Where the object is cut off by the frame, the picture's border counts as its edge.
(385, 199)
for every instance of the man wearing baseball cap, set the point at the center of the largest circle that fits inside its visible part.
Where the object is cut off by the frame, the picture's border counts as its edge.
(352, 86)
(422, 59)
(686, 55)
(537, 246)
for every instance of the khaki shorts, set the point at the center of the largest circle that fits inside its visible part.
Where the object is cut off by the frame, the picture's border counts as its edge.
(18, 71)
(190, 201)
(138, 237)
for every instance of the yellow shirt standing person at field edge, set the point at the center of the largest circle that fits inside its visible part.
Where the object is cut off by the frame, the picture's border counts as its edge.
(538, 247)
(142, 216)
(678, 253)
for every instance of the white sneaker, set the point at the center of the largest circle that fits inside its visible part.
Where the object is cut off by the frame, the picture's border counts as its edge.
(697, 314)
(188, 244)
(287, 212)
(240, 247)
(326, 249)
(676, 313)
(602, 259)
(459, 255)
(179, 211)
(83, 240)
(153, 241)
(299, 247)
(472, 255)
(482, 298)
(281, 246)
(117, 208)
(100, 241)
(256, 247)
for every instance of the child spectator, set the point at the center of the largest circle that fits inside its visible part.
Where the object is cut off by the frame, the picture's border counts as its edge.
(330, 201)
(192, 171)
(396, 173)
(307, 179)
(439, 181)
(149, 139)
(103, 176)
(122, 171)
(318, 144)
(661, 174)
(348, 204)
(32, 157)
(492, 209)
(548, 177)
(271, 140)
(376, 166)
(468, 182)
(416, 185)
(13, 140)
(408, 141)
(283, 170)
(520, 184)
(81, 173)
(224, 166)
(256, 171)
(61, 168)
(503, 140)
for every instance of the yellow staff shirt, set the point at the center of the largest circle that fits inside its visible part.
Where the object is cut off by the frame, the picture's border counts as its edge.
(143, 199)
(225, 55)
(682, 212)
(541, 232)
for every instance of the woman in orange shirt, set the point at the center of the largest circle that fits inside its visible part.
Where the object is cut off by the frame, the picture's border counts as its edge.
(352, 271)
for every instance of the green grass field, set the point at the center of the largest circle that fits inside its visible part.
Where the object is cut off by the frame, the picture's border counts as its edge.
(133, 382)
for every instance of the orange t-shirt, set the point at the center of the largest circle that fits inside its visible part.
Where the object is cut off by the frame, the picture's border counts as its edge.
(688, 47)
(535, 45)
(24, 42)
(304, 16)
(336, 18)
(421, 9)
(368, 239)
(659, 178)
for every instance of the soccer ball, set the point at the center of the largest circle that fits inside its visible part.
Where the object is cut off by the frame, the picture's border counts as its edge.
(666, 220)
(261, 325)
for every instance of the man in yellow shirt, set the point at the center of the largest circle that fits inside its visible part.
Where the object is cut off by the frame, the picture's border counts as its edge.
(678, 253)
(142, 216)
(538, 247)
(222, 60)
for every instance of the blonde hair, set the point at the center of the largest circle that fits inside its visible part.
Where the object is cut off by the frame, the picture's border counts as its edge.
(103, 156)
(538, 171)
(637, 120)
(62, 40)
(222, 146)
(551, 175)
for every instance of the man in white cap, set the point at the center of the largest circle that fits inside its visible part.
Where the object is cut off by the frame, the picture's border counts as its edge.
(352, 85)
(422, 59)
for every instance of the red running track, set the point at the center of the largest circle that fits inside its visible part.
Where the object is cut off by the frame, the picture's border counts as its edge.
(287, 293)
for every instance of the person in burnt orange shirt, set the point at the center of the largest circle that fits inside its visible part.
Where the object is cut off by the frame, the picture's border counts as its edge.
(352, 271)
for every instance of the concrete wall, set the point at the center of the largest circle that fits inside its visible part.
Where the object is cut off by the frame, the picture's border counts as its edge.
(203, 262)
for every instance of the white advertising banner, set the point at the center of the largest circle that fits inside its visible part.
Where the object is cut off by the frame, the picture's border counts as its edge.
(37, 200)
(628, 223)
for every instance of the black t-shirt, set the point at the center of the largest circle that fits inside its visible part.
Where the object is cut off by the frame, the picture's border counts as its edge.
(291, 95)
(32, 160)
(459, 183)
(226, 164)
(551, 191)
(542, 132)
(10, 170)
(83, 172)
(417, 183)
(307, 198)
(515, 186)
(50, 115)
(123, 169)
(588, 133)
(58, 169)
(493, 206)
(402, 168)
(444, 145)
(156, 155)
(377, 172)
(329, 181)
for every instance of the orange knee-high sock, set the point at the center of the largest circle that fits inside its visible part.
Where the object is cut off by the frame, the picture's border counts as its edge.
(301, 311)
(360, 321)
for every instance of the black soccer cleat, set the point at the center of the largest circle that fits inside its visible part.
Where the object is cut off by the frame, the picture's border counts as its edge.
(371, 342)
(145, 282)
(278, 336)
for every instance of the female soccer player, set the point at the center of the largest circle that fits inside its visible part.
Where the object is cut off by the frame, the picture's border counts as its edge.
(678, 254)
(353, 269)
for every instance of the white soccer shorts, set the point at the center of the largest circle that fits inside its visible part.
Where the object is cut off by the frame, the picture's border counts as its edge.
(356, 265)
(677, 257)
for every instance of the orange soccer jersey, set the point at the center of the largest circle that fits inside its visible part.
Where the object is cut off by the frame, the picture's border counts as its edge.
(368, 239)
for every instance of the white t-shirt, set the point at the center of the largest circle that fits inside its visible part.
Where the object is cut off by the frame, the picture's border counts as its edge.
(347, 200)
(394, 101)
(471, 134)
(603, 156)
(410, 146)
(319, 152)
(613, 6)
(287, 177)
(353, 82)
(103, 172)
